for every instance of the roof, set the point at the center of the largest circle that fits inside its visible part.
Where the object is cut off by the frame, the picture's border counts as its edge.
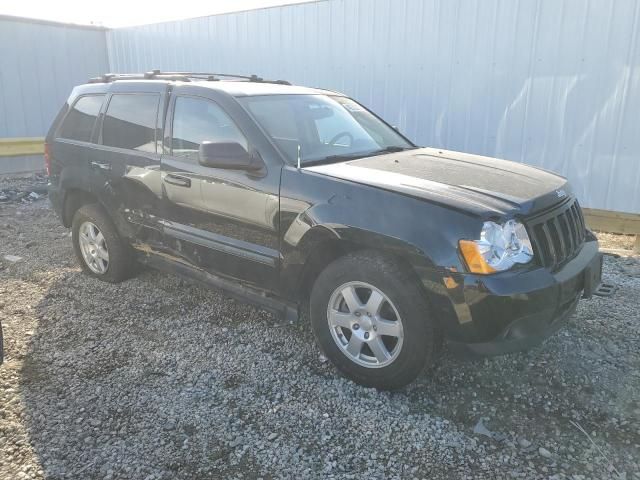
(235, 88)
(244, 89)
(51, 23)
(221, 14)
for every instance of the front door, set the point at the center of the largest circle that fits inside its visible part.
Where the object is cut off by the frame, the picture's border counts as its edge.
(220, 220)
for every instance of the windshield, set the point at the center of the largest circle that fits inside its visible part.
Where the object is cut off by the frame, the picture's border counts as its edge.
(322, 127)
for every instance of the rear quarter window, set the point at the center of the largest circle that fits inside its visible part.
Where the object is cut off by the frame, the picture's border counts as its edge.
(79, 122)
(130, 122)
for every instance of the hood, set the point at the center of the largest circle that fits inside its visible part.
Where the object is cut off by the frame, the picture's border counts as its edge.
(482, 185)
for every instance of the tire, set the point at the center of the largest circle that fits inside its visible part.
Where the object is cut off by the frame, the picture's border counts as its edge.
(412, 345)
(119, 265)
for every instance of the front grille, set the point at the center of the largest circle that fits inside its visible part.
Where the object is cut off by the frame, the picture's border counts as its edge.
(557, 235)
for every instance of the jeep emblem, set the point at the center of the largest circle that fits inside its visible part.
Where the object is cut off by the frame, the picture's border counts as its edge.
(561, 193)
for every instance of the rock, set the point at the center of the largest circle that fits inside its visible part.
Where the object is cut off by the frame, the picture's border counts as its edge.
(481, 429)
(272, 436)
(524, 443)
(545, 453)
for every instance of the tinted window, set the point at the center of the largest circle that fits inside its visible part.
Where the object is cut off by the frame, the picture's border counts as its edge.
(196, 120)
(130, 122)
(80, 120)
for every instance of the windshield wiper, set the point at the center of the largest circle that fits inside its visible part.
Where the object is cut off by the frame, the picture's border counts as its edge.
(355, 156)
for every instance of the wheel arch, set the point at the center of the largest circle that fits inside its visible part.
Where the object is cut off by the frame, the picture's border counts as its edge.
(74, 199)
(323, 245)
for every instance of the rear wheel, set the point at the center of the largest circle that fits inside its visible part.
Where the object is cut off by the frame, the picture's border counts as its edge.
(100, 250)
(372, 321)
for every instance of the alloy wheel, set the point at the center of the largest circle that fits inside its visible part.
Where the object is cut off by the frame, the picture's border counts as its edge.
(365, 324)
(94, 249)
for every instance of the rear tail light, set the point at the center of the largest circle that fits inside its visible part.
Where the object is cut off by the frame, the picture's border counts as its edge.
(47, 158)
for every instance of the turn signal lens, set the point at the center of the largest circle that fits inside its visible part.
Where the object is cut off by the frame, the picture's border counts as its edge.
(473, 257)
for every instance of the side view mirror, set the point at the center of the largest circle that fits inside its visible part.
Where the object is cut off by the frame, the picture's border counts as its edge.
(229, 155)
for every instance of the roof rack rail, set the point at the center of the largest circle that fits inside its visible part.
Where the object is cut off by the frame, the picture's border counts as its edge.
(112, 77)
(180, 76)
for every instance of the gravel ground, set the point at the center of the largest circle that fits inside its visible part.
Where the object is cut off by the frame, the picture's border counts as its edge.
(159, 379)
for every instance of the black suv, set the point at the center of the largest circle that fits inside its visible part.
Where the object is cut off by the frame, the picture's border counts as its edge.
(296, 198)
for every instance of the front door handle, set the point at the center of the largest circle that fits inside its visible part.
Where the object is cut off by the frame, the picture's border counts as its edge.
(177, 180)
(101, 166)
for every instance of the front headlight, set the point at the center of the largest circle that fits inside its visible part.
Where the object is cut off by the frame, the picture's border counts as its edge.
(498, 248)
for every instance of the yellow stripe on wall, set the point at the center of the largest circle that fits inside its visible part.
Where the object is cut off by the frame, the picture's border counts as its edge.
(612, 222)
(17, 147)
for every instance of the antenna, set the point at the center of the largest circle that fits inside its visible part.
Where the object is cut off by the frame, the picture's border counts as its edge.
(298, 156)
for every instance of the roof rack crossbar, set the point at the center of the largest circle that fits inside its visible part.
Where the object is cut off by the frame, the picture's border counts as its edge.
(182, 76)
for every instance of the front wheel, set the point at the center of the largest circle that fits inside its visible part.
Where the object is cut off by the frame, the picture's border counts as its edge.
(372, 321)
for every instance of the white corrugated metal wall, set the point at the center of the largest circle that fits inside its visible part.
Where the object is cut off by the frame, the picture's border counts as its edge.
(552, 83)
(40, 62)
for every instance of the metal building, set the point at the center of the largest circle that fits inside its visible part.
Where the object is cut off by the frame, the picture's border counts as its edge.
(40, 62)
(552, 83)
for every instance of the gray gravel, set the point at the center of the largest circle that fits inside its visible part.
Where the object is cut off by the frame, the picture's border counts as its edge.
(159, 379)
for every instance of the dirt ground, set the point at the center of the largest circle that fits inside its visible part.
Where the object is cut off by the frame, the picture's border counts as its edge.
(615, 241)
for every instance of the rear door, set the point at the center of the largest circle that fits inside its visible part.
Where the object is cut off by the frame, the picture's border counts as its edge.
(72, 140)
(222, 221)
(126, 161)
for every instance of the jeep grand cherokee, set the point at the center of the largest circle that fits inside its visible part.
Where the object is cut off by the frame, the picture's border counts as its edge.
(297, 198)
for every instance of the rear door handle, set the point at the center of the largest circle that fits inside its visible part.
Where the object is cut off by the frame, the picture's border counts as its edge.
(101, 166)
(177, 180)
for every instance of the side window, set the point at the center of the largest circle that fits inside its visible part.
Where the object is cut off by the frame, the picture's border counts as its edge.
(196, 120)
(130, 122)
(79, 122)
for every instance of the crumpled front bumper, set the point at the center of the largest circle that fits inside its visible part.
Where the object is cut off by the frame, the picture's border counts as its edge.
(525, 332)
(512, 311)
